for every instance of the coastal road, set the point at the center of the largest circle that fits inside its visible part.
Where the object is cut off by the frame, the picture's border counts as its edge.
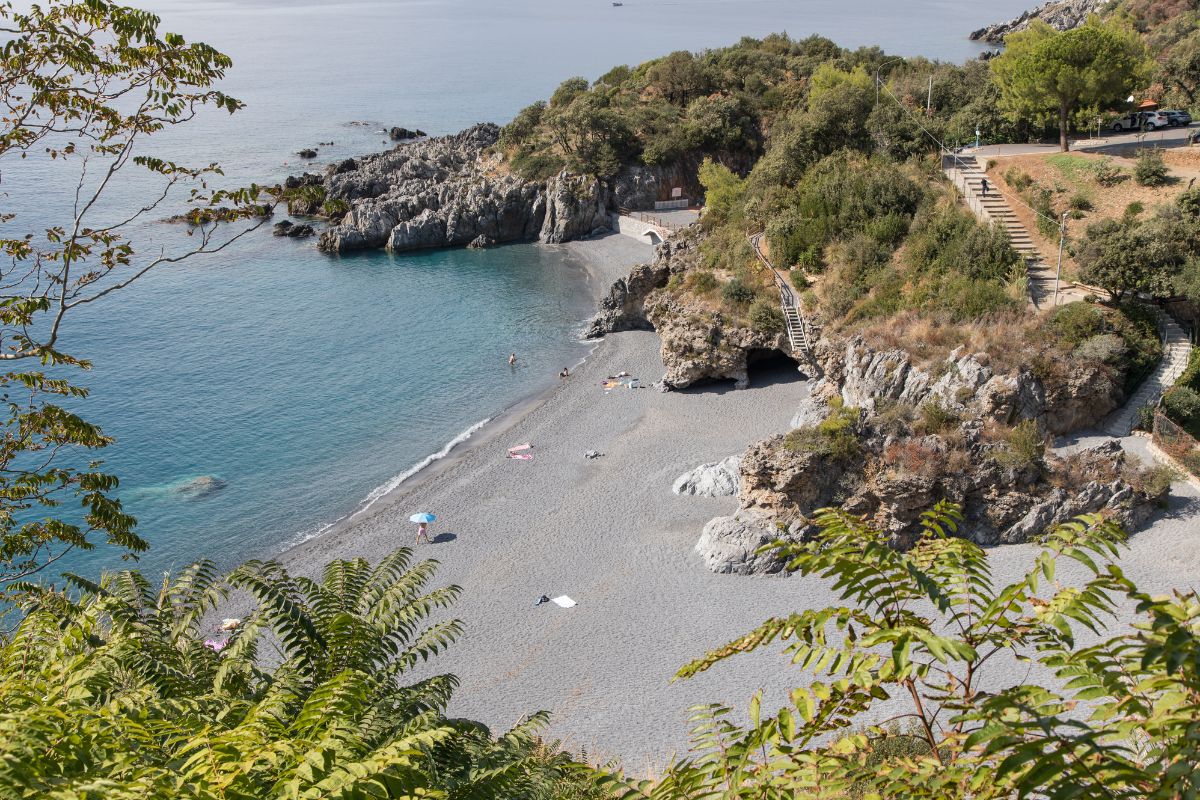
(1108, 143)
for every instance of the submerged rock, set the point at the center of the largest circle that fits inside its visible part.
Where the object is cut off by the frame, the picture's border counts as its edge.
(199, 488)
(710, 480)
(307, 152)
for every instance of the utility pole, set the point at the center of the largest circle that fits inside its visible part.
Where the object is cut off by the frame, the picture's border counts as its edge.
(1062, 240)
(929, 101)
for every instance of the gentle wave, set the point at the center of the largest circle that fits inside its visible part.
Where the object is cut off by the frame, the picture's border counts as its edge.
(392, 484)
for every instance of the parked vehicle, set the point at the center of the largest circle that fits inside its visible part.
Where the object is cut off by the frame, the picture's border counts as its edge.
(1141, 121)
(1180, 118)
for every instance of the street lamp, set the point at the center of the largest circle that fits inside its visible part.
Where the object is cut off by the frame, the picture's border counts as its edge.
(879, 70)
(1062, 240)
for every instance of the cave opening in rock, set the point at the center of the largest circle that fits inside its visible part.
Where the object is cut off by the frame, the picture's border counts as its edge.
(767, 366)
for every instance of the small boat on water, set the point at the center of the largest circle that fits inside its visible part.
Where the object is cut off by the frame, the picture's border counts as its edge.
(617, 4)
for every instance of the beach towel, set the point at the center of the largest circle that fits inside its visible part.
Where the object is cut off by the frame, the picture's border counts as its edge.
(520, 447)
(520, 457)
(563, 601)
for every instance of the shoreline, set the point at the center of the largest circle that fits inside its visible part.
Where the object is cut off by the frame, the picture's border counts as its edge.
(603, 260)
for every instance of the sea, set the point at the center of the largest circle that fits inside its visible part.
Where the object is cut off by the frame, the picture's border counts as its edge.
(259, 395)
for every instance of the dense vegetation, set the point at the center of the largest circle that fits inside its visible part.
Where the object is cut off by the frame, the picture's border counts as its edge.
(811, 96)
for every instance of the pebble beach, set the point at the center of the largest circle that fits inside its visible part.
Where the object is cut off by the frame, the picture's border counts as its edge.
(609, 533)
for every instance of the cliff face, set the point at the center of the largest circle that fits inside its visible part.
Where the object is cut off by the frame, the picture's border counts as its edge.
(451, 191)
(698, 343)
(911, 437)
(1062, 15)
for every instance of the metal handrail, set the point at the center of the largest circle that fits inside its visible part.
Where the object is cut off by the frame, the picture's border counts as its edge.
(787, 297)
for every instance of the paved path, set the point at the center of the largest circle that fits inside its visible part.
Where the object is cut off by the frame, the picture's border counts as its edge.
(1176, 350)
(1108, 143)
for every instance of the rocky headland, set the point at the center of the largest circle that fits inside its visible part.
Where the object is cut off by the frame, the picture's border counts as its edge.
(456, 191)
(1061, 15)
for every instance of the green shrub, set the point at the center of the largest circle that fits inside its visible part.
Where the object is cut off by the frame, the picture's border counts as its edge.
(1143, 419)
(934, 417)
(1018, 179)
(537, 166)
(1080, 201)
(1190, 377)
(1025, 445)
(1182, 405)
(1106, 348)
(738, 293)
(1191, 462)
(701, 281)
(1134, 208)
(335, 208)
(1151, 169)
(888, 229)
(1076, 322)
(1138, 326)
(1154, 481)
(835, 436)
(766, 317)
(1107, 172)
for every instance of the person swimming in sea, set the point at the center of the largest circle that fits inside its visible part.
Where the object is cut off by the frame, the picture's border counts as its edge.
(512, 360)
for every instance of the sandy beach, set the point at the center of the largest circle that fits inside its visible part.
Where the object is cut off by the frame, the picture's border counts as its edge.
(610, 534)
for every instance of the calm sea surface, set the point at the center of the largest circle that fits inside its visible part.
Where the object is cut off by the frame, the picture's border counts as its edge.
(306, 383)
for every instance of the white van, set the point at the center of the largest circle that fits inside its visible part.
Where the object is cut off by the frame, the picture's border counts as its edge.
(1141, 120)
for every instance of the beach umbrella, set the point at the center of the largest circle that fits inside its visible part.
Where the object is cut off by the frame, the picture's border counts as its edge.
(422, 517)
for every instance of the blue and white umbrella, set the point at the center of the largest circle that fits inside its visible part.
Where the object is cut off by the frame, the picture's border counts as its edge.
(422, 517)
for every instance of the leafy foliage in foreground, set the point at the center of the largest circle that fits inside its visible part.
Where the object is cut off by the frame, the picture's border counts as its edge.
(116, 694)
(918, 640)
(85, 84)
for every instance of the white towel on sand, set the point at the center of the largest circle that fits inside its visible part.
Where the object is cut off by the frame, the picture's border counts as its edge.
(563, 602)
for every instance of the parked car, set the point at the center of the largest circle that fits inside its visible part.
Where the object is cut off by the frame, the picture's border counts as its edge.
(1141, 121)
(1180, 118)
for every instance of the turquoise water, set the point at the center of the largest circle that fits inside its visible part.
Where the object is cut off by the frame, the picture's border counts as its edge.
(304, 384)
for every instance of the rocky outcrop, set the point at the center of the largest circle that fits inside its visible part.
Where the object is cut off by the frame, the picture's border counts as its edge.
(1080, 396)
(720, 479)
(451, 191)
(911, 435)
(731, 545)
(291, 230)
(1063, 15)
(404, 134)
(624, 308)
(698, 344)
(307, 152)
(892, 479)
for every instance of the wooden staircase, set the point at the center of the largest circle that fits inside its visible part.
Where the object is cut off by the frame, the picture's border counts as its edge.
(798, 330)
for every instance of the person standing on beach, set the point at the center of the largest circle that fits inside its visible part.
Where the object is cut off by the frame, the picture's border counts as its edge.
(512, 360)
(422, 530)
(566, 373)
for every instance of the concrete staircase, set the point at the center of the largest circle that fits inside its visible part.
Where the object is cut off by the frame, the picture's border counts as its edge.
(967, 175)
(1176, 350)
